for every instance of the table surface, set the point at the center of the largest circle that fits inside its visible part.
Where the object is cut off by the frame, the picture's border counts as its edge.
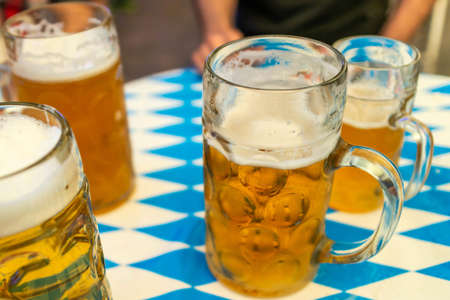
(154, 244)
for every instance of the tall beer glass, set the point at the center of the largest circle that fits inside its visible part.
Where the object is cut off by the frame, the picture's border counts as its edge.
(67, 55)
(381, 84)
(272, 116)
(49, 242)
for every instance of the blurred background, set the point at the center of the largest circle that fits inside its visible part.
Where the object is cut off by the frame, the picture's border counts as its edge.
(160, 35)
(157, 35)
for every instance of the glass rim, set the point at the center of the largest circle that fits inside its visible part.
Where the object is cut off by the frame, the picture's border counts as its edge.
(415, 59)
(65, 131)
(12, 19)
(336, 77)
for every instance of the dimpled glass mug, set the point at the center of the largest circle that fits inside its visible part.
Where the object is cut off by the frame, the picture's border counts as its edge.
(381, 84)
(272, 115)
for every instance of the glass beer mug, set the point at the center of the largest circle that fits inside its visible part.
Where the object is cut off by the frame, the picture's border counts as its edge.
(67, 55)
(49, 243)
(381, 84)
(272, 115)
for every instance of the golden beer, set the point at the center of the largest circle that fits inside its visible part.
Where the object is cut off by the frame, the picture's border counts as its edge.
(366, 123)
(264, 224)
(94, 105)
(49, 242)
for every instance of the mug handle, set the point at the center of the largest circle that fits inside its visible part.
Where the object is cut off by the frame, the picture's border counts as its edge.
(384, 170)
(424, 155)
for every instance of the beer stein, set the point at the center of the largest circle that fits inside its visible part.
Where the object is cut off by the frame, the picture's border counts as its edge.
(49, 242)
(381, 84)
(67, 55)
(272, 115)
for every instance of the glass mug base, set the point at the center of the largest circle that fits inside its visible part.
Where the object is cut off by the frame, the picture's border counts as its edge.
(241, 288)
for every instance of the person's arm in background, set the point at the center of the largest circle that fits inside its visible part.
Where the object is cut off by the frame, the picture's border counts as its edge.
(406, 19)
(216, 18)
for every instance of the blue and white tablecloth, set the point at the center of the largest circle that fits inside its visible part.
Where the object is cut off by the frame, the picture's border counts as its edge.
(154, 244)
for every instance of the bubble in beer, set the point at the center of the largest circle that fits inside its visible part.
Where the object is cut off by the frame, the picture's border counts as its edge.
(258, 243)
(283, 265)
(264, 181)
(286, 209)
(235, 266)
(219, 226)
(218, 164)
(313, 172)
(235, 203)
(306, 234)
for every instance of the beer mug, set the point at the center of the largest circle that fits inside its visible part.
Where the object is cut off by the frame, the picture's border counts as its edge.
(272, 115)
(381, 84)
(49, 242)
(67, 55)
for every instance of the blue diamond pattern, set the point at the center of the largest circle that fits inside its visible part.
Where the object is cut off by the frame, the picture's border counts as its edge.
(409, 150)
(179, 175)
(110, 264)
(345, 233)
(188, 201)
(436, 233)
(186, 151)
(437, 176)
(445, 89)
(432, 200)
(183, 94)
(186, 294)
(345, 277)
(343, 296)
(187, 265)
(106, 228)
(185, 111)
(185, 77)
(440, 271)
(190, 230)
(183, 129)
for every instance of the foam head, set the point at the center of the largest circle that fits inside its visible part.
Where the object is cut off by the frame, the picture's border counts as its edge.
(66, 57)
(369, 105)
(285, 136)
(36, 181)
(61, 42)
(276, 100)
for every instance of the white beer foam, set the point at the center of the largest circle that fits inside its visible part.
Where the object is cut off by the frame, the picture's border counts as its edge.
(31, 196)
(278, 127)
(65, 56)
(369, 106)
(291, 135)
